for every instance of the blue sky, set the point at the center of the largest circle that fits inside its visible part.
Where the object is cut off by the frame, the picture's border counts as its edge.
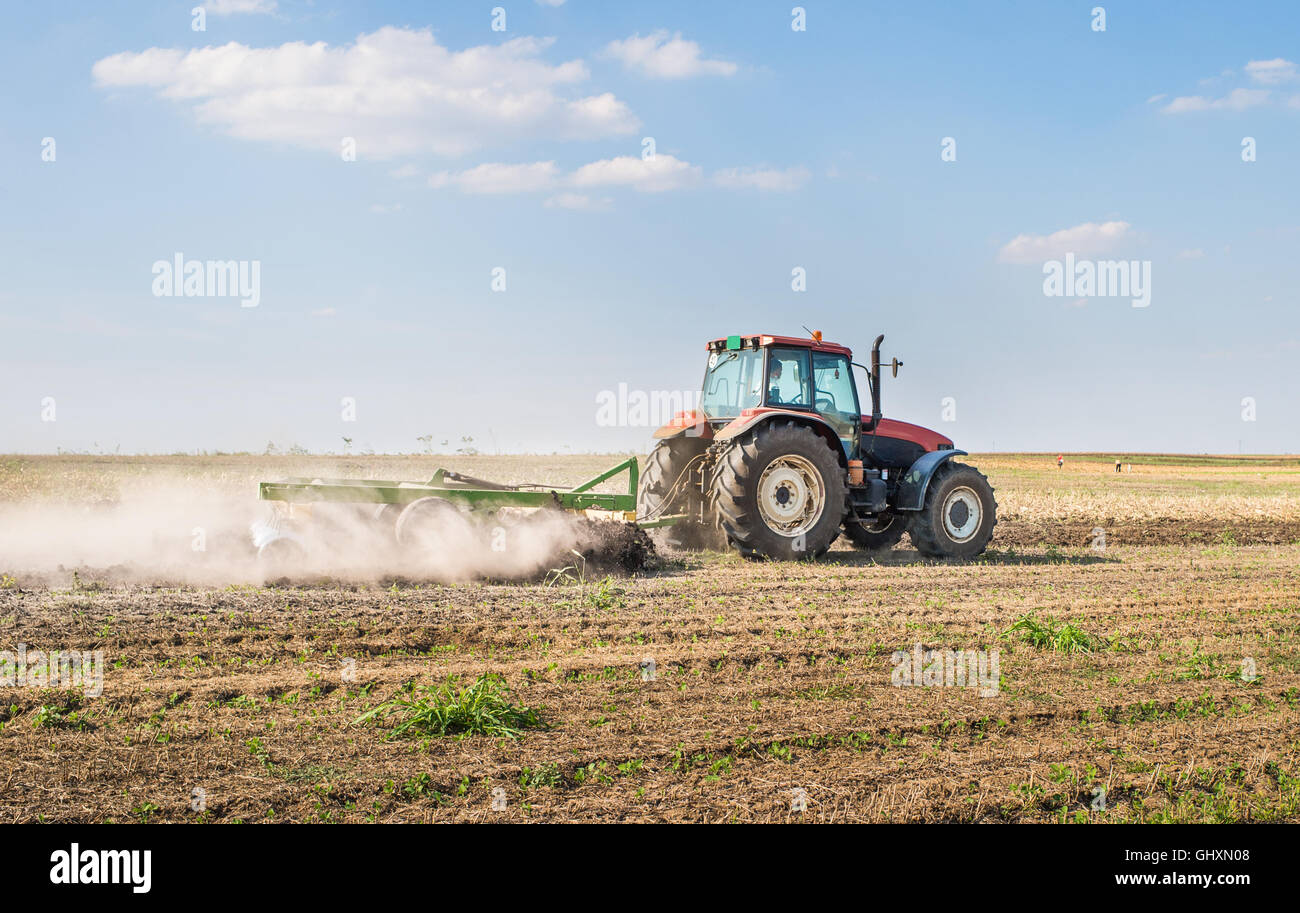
(522, 149)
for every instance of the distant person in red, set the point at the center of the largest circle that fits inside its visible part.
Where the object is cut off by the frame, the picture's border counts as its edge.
(1060, 461)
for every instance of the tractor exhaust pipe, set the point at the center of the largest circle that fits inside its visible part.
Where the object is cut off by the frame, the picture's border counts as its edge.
(875, 381)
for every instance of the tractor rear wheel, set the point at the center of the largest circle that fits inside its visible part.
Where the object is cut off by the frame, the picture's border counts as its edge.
(959, 514)
(780, 493)
(664, 490)
(883, 534)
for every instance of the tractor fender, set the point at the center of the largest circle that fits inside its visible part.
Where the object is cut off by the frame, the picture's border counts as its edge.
(750, 419)
(692, 423)
(912, 488)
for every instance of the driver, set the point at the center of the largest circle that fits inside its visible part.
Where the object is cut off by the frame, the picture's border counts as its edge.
(774, 384)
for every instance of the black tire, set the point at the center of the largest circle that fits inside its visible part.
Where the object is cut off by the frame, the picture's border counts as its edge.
(662, 471)
(743, 470)
(936, 539)
(885, 533)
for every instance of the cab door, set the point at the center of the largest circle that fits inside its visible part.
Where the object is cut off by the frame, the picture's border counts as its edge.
(835, 397)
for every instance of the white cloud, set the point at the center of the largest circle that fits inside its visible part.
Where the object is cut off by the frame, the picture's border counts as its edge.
(384, 209)
(1236, 100)
(578, 201)
(550, 2)
(658, 173)
(396, 90)
(232, 7)
(492, 177)
(1192, 253)
(1226, 73)
(1271, 72)
(662, 57)
(761, 178)
(1087, 240)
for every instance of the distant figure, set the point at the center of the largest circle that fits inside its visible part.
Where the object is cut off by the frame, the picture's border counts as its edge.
(1060, 461)
(1117, 464)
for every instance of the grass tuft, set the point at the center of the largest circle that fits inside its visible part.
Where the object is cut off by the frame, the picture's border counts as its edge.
(1046, 634)
(482, 708)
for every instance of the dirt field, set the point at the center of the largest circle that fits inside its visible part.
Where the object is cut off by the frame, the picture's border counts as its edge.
(775, 692)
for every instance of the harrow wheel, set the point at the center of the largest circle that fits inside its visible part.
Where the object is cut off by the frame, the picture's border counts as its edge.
(883, 534)
(384, 520)
(281, 554)
(432, 527)
(779, 493)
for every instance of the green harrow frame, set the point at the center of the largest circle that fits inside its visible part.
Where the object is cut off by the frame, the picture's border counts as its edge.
(472, 493)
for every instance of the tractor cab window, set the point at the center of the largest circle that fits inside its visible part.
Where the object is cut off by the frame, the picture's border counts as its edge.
(835, 397)
(787, 378)
(733, 381)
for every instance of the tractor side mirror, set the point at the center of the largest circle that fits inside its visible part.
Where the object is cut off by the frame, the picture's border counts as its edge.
(897, 364)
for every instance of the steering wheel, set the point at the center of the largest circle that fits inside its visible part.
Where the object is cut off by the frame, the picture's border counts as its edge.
(773, 397)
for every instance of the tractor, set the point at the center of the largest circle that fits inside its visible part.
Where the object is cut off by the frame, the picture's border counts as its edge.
(778, 459)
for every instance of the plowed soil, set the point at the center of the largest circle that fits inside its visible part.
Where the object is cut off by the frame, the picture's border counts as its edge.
(707, 689)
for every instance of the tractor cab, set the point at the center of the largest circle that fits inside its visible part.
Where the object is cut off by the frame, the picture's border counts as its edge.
(747, 375)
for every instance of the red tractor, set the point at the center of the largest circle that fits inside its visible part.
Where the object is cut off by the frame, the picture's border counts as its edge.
(778, 458)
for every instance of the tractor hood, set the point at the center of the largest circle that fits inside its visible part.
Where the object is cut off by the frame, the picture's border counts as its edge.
(906, 431)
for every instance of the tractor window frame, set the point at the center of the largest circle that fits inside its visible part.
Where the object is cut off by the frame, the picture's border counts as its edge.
(847, 424)
(845, 365)
(715, 406)
(790, 353)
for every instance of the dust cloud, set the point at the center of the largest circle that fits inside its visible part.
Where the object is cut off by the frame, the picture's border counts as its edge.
(177, 535)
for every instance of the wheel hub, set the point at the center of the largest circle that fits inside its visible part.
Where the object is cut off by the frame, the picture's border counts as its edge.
(961, 514)
(791, 496)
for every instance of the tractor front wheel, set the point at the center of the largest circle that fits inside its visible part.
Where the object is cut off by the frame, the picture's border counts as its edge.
(780, 493)
(959, 514)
